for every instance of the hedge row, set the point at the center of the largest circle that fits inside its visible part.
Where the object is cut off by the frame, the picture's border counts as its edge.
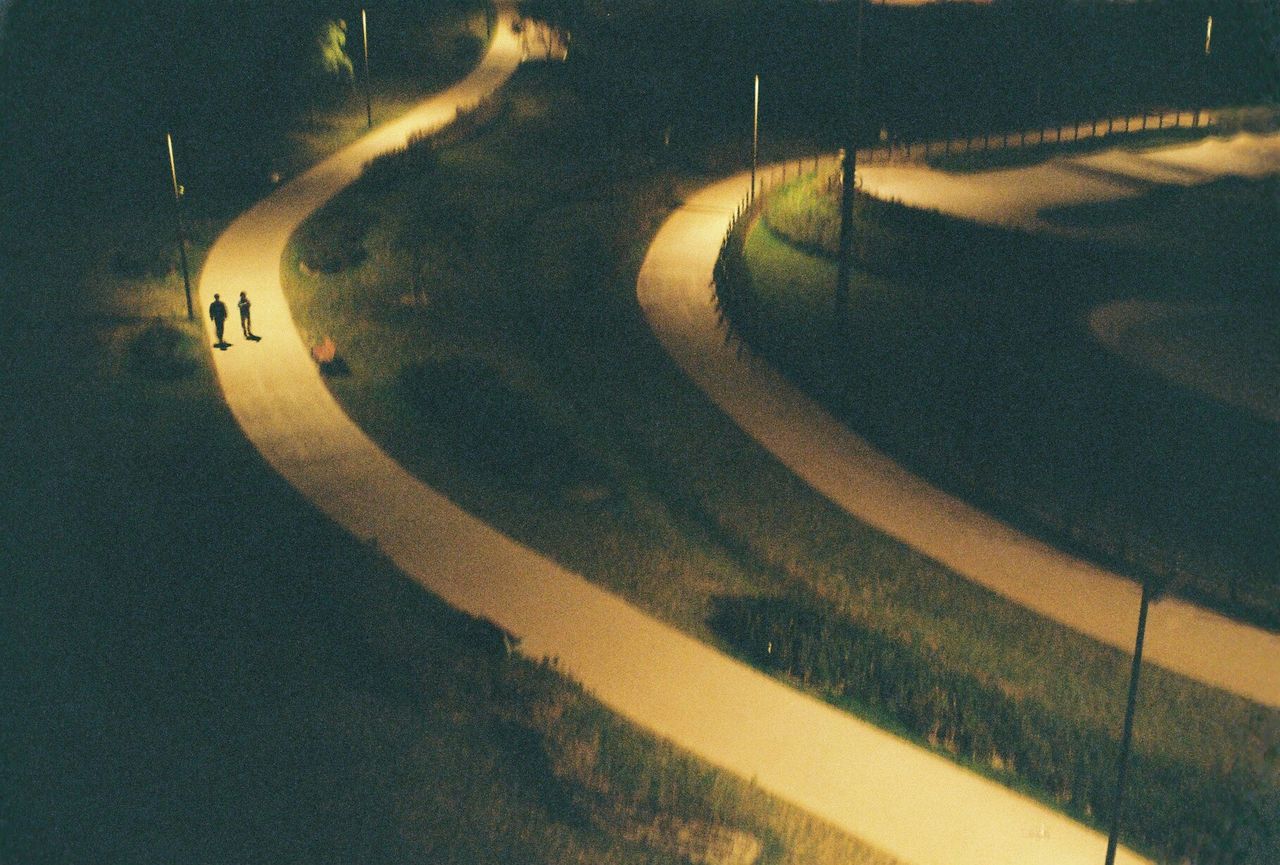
(1180, 812)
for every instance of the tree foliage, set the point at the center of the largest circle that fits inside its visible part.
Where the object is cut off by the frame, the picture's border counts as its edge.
(332, 60)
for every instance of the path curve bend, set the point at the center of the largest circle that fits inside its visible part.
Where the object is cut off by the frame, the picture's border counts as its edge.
(896, 796)
(675, 291)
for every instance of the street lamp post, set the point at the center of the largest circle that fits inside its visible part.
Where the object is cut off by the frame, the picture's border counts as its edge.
(844, 264)
(1150, 592)
(182, 241)
(755, 136)
(368, 99)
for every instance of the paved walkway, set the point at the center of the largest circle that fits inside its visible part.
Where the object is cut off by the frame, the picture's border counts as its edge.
(674, 289)
(903, 799)
(1229, 352)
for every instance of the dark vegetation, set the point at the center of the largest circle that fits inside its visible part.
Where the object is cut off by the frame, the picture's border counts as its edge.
(1185, 815)
(164, 351)
(196, 666)
(490, 421)
(648, 67)
(532, 234)
(975, 367)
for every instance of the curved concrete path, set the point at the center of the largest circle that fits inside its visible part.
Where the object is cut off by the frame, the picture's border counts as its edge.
(898, 797)
(674, 289)
(1227, 352)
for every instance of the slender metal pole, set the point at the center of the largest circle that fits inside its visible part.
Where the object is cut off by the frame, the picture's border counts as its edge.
(844, 263)
(182, 242)
(368, 98)
(755, 135)
(1125, 737)
(1208, 36)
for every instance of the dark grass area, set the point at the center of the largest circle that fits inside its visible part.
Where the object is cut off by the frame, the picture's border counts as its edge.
(197, 666)
(679, 507)
(974, 365)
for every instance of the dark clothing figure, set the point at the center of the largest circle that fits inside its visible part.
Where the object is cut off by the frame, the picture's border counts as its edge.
(244, 315)
(218, 312)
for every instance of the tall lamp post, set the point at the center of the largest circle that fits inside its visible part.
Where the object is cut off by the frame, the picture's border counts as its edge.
(368, 99)
(844, 264)
(182, 241)
(1113, 837)
(1152, 590)
(1204, 78)
(755, 136)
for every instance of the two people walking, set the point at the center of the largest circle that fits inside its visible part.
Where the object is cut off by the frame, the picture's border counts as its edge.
(218, 314)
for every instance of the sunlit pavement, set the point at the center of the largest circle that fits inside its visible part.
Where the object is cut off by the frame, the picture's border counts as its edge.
(674, 289)
(896, 796)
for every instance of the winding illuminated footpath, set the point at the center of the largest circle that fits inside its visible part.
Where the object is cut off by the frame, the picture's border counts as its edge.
(896, 796)
(674, 289)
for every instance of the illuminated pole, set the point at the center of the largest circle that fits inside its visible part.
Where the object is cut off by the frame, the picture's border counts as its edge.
(368, 99)
(182, 242)
(1126, 736)
(755, 136)
(1208, 46)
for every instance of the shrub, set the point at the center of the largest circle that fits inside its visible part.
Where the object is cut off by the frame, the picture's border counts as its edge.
(494, 424)
(333, 240)
(162, 351)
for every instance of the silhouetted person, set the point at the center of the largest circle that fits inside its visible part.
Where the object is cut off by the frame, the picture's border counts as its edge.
(244, 315)
(218, 312)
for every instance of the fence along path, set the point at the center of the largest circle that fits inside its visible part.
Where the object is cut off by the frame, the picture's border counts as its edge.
(893, 149)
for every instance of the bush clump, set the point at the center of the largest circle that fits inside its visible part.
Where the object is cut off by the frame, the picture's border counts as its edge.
(495, 425)
(1187, 813)
(162, 351)
(333, 240)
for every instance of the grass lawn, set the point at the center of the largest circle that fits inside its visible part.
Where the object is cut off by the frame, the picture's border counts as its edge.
(198, 666)
(972, 362)
(496, 349)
